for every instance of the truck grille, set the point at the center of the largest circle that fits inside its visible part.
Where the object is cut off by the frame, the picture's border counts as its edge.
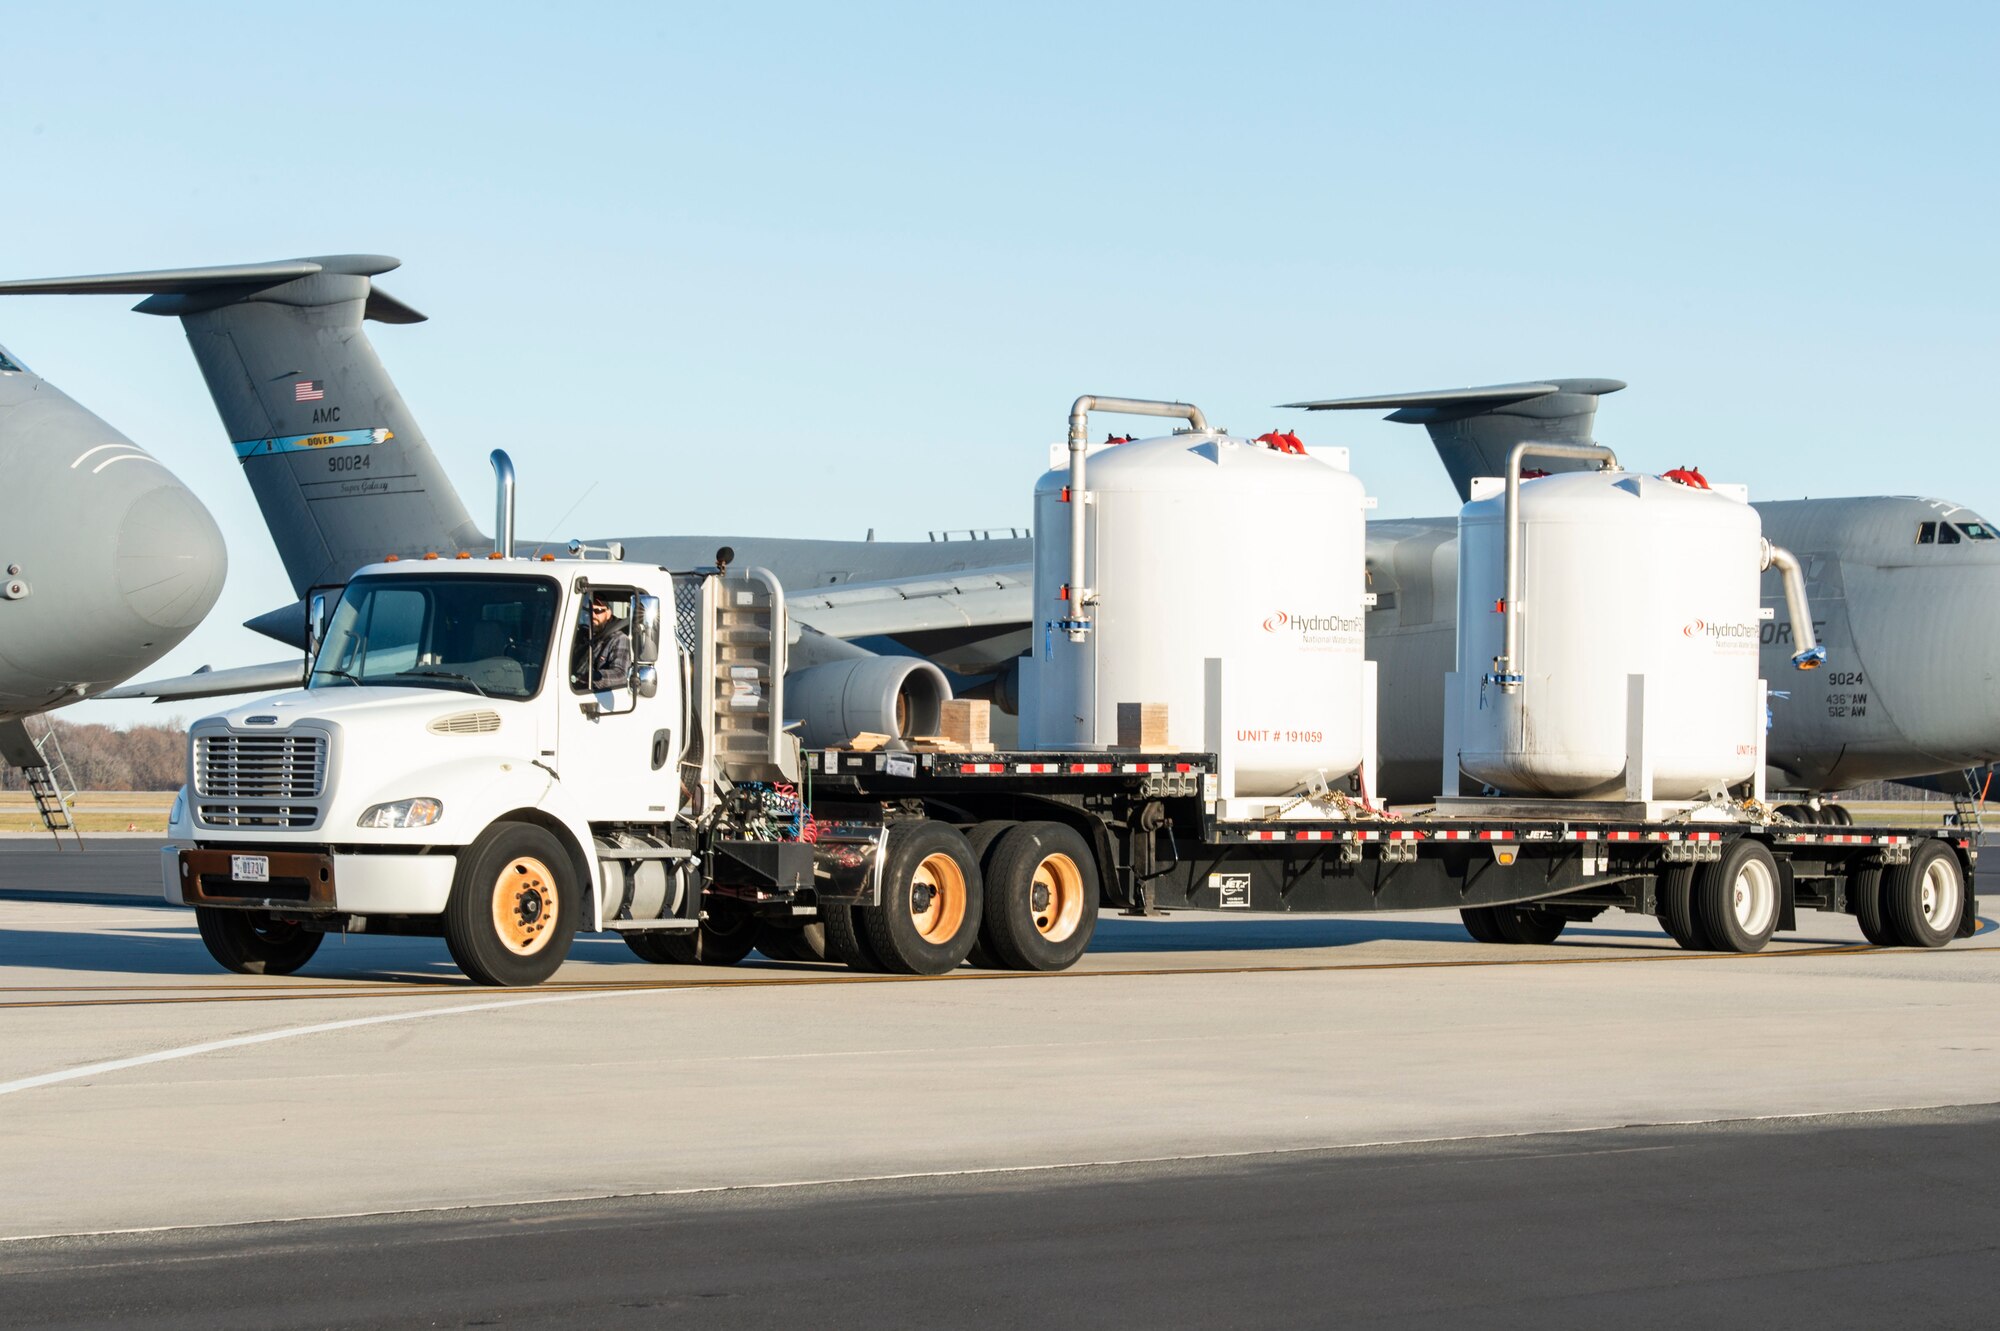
(260, 767)
(251, 815)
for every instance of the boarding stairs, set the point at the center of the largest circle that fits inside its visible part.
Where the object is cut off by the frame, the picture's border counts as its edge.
(54, 789)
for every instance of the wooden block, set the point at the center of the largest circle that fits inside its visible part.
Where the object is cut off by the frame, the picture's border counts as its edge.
(936, 744)
(968, 722)
(866, 741)
(1142, 726)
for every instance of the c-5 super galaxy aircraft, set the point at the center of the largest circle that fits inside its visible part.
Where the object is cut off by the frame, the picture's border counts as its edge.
(109, 561)
(343, 475)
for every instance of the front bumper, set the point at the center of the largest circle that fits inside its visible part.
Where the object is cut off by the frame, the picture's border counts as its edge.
(310, 883)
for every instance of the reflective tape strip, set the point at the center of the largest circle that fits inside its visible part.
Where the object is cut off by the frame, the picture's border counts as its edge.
(982, 767)
(1495, 834)
(1183, 767)
(1090, 767)
(1704, 836)
(1360, 836)
(1582, 836)
(1143, 767)
(1267, 836)
(1312, 836)
(1624, 836)
(1450, 834)
(1037, 767)
(1406, 836)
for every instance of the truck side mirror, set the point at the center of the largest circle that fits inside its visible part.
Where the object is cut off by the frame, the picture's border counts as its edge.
(645, 632)
(645, 680)
(315, 625)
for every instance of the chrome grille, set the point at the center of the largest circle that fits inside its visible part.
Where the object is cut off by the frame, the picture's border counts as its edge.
(260, 767)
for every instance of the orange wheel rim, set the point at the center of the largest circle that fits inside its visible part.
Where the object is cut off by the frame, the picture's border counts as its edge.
(937, 899)
(525, 905)
(1056, 897)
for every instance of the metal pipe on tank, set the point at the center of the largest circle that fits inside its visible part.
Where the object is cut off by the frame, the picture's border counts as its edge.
(1077, 624)
(503, 517)
(1810, 653)
(1507, 672)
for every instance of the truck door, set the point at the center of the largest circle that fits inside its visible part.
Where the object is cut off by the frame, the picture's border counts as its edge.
(616, 749)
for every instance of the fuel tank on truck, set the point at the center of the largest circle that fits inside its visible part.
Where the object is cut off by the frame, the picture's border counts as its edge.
(1201, 546)
(1621, 574)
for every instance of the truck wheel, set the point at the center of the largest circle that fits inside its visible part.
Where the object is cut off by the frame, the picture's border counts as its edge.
(931, 898)
(982, 837)
(1736, 898)
(847, 939)
(812, 942)
(1923, 899)
(1864, 898)
(1041, 898)
(513, 907)
(780, 943)
(254, 942)
(663, 947)
(1676, 907)
(1481, 924)
(1528, 924)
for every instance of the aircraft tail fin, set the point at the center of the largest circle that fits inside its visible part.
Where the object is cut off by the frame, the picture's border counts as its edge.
(1473, 429)
(337, 464)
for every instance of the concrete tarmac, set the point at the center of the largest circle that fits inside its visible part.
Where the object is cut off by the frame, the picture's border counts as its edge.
(141, 1087)
(1857, 1221)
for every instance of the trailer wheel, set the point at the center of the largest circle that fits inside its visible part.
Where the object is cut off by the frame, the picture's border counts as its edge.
(931, 898)
(255, 942)
(1923, 899)
(1041, 898)
(1864, 898)
(1481, 923)
(1676, 909)
(1736, 899)
(982, 837)
(513, 907)
(1528, 924)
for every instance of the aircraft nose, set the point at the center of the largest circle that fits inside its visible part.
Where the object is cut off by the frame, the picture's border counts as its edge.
(170, 559)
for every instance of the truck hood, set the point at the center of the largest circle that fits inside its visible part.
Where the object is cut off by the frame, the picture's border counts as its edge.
(344, 703)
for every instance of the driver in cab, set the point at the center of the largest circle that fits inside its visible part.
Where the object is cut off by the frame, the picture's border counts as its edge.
(609, 647)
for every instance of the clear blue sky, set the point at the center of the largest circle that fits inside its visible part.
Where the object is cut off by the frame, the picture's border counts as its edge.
(810, 270)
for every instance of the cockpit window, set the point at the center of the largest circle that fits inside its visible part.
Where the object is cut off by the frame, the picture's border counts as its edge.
(1926, 533)
(8, 365)
(1948, 534)
(1976, 531)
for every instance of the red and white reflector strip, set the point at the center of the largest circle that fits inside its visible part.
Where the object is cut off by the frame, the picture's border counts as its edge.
(1575, 835)
(1406, 834)
(973, 769)
(1090, 767)
(1313, 836)
(1704, 836)
(1038, 768)
(1142, 767)
(1266, 836)
(1496, 834)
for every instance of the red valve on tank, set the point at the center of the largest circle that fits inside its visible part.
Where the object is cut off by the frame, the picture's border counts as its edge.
(1532, 473)
(1688, 476)
(1282, 442)
(1119, 438)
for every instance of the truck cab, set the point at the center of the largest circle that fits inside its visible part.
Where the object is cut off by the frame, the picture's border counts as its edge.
(496, 750)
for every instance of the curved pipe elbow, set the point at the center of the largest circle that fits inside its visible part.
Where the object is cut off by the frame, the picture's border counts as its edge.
(1810, 655)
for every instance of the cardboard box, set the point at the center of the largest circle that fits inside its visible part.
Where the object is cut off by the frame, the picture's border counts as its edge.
(1143, 726)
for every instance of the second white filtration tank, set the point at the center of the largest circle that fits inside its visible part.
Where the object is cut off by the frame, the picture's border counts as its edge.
(1622, 574)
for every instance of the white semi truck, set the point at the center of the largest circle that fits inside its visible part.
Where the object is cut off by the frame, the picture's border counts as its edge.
(453, 769)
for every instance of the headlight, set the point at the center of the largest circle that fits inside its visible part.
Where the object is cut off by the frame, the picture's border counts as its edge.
(419, 812)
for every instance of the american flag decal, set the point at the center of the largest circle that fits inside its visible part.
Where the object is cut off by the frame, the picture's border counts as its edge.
(308, 390)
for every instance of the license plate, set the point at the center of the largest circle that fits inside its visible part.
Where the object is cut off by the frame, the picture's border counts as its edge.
(250, 868)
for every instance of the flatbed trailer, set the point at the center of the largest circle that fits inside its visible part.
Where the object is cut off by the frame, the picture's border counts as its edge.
(1524, 868)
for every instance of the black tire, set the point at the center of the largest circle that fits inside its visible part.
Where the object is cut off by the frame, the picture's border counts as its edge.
(1835, 815)
(1528, 924)
(779, 942)
(983, 837)
(1676, 909)
(1737, 898)
(1798, 813)
(847, 940)
(1041, 898)
(1481, 924)
(255, 942)
(1923, 900)
(513, 907)
(725, 937)
(663, 947)
(1864, 898)
(932, 895)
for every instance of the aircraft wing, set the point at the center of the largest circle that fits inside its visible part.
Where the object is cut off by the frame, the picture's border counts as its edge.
(205, 683)
(989, 597)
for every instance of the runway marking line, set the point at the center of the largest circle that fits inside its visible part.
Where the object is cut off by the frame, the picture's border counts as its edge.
(163, 995)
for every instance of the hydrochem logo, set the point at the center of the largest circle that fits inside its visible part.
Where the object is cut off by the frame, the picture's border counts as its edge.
(1312, 628)
(1722, 635)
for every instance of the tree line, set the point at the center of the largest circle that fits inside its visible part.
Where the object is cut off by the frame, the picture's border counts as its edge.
(107, 758)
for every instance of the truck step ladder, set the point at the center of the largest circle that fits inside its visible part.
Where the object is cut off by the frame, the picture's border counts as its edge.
(54, 788)
(740, 678)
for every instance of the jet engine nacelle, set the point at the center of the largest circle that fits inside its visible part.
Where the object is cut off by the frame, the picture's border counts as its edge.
(888, 695)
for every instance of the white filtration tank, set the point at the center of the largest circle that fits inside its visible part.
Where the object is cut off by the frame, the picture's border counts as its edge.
(1200, 545)
(1621, 574)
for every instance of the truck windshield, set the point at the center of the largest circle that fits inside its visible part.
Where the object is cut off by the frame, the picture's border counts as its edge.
(476, 634)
